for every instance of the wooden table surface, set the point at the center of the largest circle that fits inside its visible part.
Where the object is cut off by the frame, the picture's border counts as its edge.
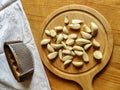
(109, 78)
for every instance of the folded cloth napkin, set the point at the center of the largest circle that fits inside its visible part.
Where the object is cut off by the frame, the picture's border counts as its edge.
(14, 26)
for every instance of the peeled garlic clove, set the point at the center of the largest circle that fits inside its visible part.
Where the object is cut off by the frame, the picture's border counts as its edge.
(53, 33)
(96, 44)
(77, 21)
(77, 64)
(72, 53)
(86, 29)
(59, 38)
(87, 46)
(67, 57)
(81, 41)
(67, 62)
(79, 48)
(56, 46)
(66, 52)
(52, 55)
(47, 32)
(50, 48)
(86, 35)
(45, 41)
(65, 36)
(65, 30)
(66, 20)
(69, 47)
(85, 57)
(58, 28)
(94, 28)
(60, 54)
(97, 55)
(74, 26)
(72, 36)
(64, 45)
(78, 53)
(69, 41)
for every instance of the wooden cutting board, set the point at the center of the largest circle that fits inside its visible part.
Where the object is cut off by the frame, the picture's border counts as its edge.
(109, 78)
(83, 76)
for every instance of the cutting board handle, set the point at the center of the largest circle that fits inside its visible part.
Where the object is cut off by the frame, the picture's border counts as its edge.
(87, 86)
(85, 82)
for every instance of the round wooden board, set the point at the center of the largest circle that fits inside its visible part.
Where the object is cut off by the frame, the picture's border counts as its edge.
(104, 36)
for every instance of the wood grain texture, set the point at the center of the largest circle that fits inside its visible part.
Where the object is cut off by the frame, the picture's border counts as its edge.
(109, 78)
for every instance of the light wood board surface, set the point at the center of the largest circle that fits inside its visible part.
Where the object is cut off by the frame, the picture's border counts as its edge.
(109, 78)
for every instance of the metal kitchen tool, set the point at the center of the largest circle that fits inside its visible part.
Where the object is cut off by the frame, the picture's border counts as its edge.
(19, 58)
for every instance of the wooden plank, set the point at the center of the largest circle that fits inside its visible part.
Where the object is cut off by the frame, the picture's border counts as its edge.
(113, 3)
